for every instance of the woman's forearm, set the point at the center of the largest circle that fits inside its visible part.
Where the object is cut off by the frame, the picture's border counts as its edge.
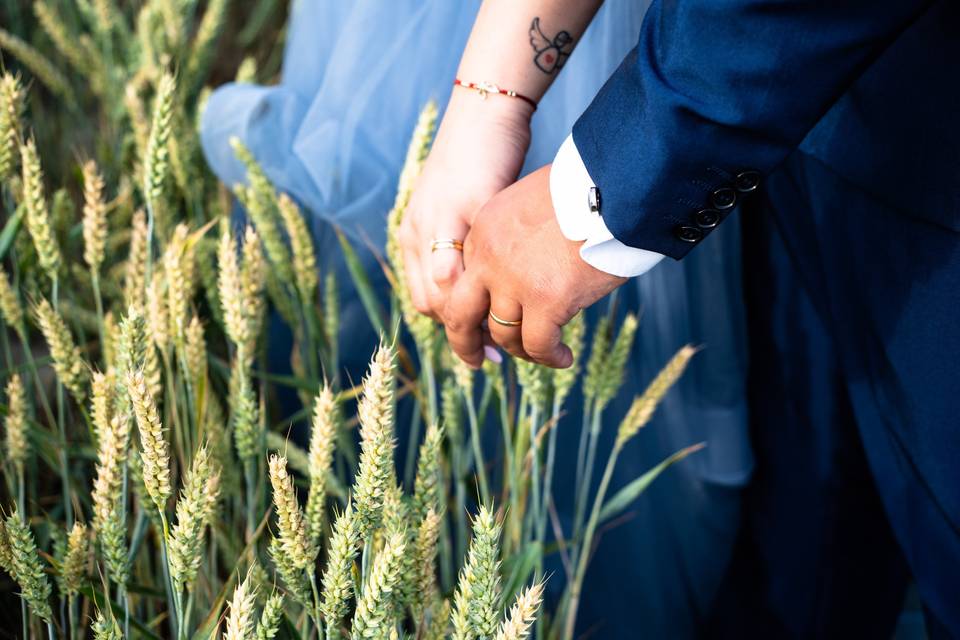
(522, 45)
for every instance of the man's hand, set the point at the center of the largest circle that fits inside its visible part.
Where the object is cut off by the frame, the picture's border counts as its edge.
(520, 266)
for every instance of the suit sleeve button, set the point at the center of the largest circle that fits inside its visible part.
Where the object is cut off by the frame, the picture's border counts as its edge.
(747, 181)
(687, 233)
(723, 198)
(707, 218)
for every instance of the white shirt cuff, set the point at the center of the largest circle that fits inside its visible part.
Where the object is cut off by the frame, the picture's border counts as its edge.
(569, 188)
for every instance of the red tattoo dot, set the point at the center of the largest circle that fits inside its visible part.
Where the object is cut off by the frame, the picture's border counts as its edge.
(548, 58)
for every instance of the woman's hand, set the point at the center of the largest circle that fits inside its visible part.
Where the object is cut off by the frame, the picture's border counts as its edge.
(478, 151)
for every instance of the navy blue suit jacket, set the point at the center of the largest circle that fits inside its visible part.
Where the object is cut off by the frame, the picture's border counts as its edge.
(720, 93)
(717, 88)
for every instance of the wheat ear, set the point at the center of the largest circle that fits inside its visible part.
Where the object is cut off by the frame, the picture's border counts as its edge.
(10, 307)
(11, 108)
(106, 628)
(291, 524)
(337, 579)
(75, 562)
(644, 405)
(195, 510)
(301, 243)
(155, 454)
(240, 622)
(94, 216)
(156, 164)
(15, 424)
(522, 614)
(26, 567)
(375, 608)
(37, 214)
(375, 412)
(476, 601)
(269, 623)
(67, 359)
(323, 437)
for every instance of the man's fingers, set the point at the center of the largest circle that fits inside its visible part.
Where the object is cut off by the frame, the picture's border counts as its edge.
(503, 333)
(463, 318)
(541, 341)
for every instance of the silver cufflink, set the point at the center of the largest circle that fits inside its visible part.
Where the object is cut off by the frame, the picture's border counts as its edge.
(593, 200)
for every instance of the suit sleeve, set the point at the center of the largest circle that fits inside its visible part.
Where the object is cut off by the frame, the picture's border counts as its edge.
(713, 97)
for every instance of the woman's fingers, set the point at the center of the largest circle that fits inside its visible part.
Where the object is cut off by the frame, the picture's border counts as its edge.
(504, 322)
(412, 267)
(445, 260)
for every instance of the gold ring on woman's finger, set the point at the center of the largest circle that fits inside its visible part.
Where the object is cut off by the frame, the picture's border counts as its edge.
(446, 243)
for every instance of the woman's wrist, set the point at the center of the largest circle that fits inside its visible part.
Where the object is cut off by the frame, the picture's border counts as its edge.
(489, 107)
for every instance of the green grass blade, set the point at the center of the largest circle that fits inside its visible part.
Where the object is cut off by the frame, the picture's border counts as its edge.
(623, 498)
(362, 282)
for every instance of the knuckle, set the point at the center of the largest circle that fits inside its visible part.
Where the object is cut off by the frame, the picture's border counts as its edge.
(408, 234)
(444, 271)
(453, 324)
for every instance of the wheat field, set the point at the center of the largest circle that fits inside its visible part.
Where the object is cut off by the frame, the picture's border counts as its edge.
(151, 487)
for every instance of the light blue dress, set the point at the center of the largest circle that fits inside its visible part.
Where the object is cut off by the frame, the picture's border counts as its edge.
(334, 133)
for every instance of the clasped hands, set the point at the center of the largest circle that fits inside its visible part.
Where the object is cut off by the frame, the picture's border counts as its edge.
(517, 264)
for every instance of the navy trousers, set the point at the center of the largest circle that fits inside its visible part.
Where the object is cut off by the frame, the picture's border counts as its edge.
(854, 326)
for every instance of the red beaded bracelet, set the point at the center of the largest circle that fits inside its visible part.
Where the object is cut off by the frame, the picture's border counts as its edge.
(483, 88)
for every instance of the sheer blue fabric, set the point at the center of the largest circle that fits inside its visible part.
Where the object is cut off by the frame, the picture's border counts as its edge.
(333, 134)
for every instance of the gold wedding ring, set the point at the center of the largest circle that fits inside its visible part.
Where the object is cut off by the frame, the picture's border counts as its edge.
(501, 321)
(446, 243)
